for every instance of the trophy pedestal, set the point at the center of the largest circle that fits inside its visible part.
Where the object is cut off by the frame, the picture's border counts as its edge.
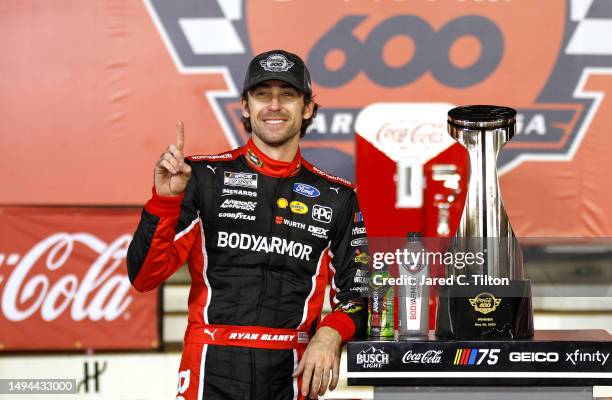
(552, 359)
(482, 312)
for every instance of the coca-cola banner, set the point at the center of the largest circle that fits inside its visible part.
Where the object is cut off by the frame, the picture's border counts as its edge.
(64, 283)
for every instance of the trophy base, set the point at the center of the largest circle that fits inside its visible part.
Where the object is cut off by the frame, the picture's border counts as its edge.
(476, 312)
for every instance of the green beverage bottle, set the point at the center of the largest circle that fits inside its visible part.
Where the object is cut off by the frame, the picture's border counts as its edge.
(380, 306)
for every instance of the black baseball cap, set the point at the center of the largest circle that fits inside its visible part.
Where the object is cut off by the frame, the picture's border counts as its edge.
(278, 65)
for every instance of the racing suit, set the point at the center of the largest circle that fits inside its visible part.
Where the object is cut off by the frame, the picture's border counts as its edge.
(262, 238)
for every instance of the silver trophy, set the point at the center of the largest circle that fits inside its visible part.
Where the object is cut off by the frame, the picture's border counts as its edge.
(496, 302)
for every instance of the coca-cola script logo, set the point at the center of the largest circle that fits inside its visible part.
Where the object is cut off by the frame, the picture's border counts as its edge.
(102, 293)
(411, 133)
(429, 357)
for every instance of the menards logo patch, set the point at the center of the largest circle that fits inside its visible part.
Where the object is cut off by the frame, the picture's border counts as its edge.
(459, 52)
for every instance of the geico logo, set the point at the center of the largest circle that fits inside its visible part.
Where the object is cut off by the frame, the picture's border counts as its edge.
(430, 45)
(264, 244)
(358, 231)
(372, 358)
(534, 357)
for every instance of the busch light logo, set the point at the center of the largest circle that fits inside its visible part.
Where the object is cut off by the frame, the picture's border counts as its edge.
(372, 358)
(276, 63)
(306, 190)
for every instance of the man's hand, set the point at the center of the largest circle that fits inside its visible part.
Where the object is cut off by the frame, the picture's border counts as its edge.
(171, 172)
(321, 357)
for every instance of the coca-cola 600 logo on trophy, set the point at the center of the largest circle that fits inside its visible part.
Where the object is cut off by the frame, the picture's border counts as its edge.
(70, 287)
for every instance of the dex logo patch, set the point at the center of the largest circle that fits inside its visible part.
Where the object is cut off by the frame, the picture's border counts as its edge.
(322, 213)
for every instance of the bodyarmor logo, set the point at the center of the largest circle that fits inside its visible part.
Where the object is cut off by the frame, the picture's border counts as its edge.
(469, 55)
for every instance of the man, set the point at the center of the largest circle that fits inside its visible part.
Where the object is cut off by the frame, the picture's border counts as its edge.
(262, 231)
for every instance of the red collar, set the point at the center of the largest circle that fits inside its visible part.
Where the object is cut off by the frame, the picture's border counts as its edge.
(269, 166)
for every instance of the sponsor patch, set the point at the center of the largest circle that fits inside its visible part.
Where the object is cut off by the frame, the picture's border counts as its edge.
(282, 202)
(237, 215)
(359, 242)
(306, 190)
(358, 217)
(238, 192)
(225, 156)
(298, 207)
(239, 204)
(322, 213)
(362, 258)
(265, 244)
(358, 231)
(252, 157)
(318, 231)
(244, 179)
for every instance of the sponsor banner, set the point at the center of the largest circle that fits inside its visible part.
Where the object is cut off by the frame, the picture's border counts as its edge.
(562, 352)
(64, 282)
(420, 54)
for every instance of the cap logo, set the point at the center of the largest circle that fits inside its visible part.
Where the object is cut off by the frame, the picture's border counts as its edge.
(276, 63)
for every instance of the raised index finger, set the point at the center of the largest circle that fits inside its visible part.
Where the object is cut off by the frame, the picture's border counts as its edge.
(180, 135)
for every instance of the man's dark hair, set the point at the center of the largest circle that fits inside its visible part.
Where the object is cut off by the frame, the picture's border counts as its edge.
(246, 122)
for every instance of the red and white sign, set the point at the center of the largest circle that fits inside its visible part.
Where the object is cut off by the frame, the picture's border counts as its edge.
(406, 130)
(64, 282)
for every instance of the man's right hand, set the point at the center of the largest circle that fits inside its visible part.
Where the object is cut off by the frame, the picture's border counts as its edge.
(171, 172)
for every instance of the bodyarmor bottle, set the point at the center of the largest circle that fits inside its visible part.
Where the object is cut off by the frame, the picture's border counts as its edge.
(413, 293)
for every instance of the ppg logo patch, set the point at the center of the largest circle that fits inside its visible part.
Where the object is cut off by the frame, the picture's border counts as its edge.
(321, 213)
(276, 63)
(306, 190)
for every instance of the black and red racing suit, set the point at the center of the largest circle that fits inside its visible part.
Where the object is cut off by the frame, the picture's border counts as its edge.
(262, 239)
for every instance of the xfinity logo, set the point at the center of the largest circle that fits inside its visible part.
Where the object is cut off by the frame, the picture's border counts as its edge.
(540, 357)
(322, 213)
(243, 179)
(372, 358)
(580, 357)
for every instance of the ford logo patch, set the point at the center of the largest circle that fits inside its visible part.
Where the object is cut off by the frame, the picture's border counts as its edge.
(306, 190)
